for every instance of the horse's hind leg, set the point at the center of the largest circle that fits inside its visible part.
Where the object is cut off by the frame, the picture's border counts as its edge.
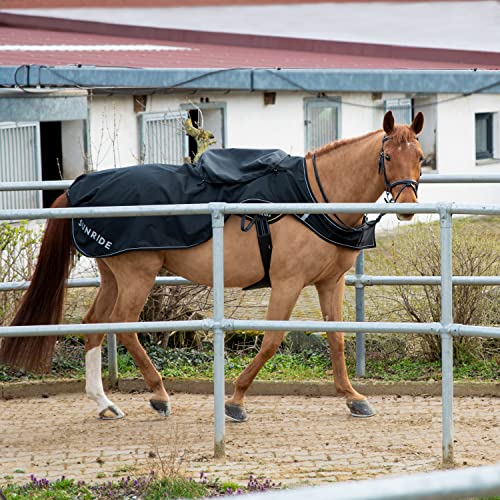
(135, 274)
(283, 299)
(331, 296)
(159, 400)
(99, 313)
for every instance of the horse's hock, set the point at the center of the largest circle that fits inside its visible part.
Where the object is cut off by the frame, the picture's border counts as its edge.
(292, 439)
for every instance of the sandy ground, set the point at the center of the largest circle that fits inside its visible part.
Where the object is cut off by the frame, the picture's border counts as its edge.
(292, 439)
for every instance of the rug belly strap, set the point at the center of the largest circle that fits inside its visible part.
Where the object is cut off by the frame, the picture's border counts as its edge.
(265, 247)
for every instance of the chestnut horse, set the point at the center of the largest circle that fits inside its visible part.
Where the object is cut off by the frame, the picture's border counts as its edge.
(349, 170)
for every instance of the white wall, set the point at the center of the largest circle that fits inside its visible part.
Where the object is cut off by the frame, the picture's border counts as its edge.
(114, 126)
(73, 148)
(456, 150)
(251, 123)
(358, 115)
(113, 132)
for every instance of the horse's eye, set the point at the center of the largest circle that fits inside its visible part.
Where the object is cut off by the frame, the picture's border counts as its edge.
(421, 158)
(388, 157)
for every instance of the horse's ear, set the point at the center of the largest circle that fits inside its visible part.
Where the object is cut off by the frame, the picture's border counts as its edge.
(388, 123)
(418, 123)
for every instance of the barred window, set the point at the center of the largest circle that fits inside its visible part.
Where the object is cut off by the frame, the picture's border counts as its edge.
(20, 160)
(163, 138)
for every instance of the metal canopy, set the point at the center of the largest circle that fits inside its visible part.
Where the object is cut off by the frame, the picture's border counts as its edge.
(41, 107)
(251, 79)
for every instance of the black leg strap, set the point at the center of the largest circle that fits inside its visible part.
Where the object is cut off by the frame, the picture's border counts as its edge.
(266, 250)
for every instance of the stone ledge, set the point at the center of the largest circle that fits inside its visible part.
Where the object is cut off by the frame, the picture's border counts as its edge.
(45, 388)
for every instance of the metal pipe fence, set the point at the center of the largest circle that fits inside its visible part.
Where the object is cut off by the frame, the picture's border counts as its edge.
(471, 482)
(219, 324)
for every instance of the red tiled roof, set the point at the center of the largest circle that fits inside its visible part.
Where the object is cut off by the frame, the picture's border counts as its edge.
(211, 50)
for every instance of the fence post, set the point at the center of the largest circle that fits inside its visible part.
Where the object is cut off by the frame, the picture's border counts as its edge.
(446, 337)
(218, 297)
(112, 361)
(360, 316)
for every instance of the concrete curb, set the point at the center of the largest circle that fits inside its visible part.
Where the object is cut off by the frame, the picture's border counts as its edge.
(45, 388)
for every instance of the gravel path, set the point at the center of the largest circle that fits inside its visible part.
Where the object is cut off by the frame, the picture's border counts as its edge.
(288, 438)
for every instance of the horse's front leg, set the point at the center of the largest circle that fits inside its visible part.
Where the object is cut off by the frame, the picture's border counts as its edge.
(331, 296)
(283, 298)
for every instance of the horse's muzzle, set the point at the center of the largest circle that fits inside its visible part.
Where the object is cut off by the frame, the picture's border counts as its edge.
(405, 217)
(406, 196)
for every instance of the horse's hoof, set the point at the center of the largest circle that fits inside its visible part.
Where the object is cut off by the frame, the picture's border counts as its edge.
(160, 407)
(236, 413)
(360, 408)
(112, 412)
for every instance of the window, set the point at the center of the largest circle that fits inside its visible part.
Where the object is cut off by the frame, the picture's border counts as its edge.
(322, 118)
(484, 136)
(401, 109)
(163, 139)
(20, 160)
(211, 117)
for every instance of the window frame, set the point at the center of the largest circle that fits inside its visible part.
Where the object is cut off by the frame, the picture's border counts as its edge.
(207, 106)
(487, 154)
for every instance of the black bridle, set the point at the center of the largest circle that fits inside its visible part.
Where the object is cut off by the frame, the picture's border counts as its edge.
(404, 183)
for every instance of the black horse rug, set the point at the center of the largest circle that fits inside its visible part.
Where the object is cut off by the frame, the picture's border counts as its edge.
(226, 175)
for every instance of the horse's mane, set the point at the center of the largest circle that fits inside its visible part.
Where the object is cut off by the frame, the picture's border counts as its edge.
(400, 134)
(331, 146)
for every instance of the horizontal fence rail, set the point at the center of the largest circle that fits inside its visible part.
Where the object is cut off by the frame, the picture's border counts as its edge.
(350, 280)
(219, 324)
(249, 209)
(434, 178)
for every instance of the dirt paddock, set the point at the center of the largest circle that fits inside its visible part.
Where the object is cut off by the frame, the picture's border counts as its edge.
(292, 439)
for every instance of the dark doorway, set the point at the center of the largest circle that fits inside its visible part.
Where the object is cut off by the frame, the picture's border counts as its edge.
(194, 114)
(51, 152)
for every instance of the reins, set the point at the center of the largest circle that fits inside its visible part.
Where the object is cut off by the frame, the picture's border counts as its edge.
(325, 198)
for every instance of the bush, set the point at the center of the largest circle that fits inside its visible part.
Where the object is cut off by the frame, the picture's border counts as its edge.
(416, 251)
(19, 246)
(176, 303)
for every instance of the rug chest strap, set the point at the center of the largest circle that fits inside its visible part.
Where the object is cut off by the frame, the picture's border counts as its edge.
(266, 250)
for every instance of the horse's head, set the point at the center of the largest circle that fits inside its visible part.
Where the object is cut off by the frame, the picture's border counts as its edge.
(400, 160)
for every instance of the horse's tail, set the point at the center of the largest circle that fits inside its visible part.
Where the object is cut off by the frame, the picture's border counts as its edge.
(43, 301)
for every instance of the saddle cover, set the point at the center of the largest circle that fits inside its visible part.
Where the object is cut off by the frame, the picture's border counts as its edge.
(225, 175)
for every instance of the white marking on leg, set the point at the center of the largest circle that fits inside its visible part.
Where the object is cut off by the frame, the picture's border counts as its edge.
(93, 384)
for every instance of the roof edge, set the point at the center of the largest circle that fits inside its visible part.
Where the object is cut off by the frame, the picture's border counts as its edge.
(253, 41)
(309, 81)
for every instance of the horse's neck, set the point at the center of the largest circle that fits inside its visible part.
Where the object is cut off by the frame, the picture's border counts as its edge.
(349, 173)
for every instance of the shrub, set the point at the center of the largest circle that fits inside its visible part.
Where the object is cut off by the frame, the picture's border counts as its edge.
(19, 245)
(416, 251)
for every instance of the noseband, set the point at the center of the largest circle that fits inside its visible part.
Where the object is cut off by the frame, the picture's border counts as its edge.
(404, 183)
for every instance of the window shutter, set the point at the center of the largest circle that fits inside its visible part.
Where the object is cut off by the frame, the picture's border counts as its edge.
(322, 123)
(401, 109)
(163, 138)
(20, 161)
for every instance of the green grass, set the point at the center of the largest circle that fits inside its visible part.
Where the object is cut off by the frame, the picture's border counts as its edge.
(147, 488)
(308, 365)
